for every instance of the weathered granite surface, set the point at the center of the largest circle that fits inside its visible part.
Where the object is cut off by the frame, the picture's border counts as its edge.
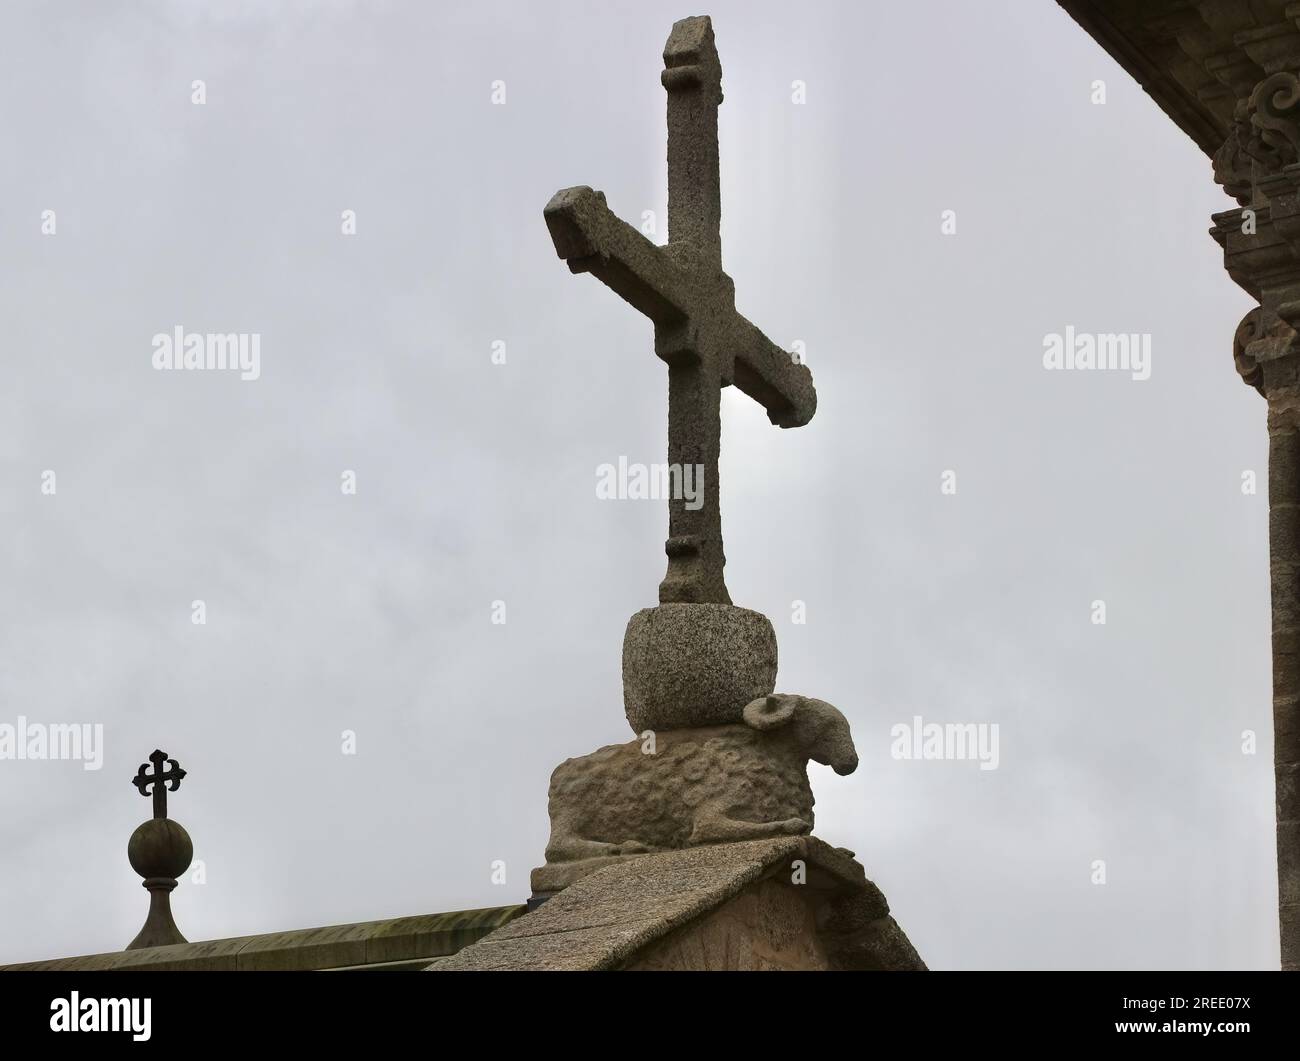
(391, 944)
(707, 785)
(766, 928)
(657, 911)
(695, 665)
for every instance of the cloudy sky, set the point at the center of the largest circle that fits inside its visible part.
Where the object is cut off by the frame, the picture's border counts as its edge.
(372, 613)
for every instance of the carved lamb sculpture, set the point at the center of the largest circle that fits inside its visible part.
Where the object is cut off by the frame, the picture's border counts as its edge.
(699, 786)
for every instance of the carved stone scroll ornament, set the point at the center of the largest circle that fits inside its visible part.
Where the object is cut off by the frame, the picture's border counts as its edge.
(1264, 136)
(1275, 112)
(1265, 336)
(1248, 331)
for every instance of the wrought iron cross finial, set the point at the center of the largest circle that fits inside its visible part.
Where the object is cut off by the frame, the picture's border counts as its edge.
(159, 778)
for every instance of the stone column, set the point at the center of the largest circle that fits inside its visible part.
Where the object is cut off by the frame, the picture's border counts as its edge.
(1284, 561)
(1260, 165)
(1225, 71)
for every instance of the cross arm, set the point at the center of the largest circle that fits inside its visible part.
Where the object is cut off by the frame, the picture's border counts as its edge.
(592, 239)
(771, 376)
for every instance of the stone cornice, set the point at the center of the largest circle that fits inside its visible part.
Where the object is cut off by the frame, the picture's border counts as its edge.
(1186, 65)
(1199, 60)
(1226, 72)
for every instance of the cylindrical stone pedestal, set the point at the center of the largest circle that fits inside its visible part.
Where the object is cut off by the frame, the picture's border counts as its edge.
(695, 665)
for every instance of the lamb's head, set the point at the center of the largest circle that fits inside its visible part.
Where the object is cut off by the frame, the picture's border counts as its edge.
(818, 728)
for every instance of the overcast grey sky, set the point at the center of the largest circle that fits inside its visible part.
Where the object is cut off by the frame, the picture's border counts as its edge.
(476, 481)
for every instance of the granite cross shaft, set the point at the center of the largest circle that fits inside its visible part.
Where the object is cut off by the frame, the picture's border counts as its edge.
(159, 779)
(682, 289)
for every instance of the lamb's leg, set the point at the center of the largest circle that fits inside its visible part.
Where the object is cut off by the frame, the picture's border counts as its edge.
(575, 848)
(715, 827)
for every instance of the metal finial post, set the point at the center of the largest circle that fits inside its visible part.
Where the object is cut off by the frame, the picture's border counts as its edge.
(143, 779)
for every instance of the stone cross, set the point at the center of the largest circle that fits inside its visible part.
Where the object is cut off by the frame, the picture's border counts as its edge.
(682, 289)
(159, 778)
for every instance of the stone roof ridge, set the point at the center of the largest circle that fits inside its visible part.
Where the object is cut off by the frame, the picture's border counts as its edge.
(602, 920)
